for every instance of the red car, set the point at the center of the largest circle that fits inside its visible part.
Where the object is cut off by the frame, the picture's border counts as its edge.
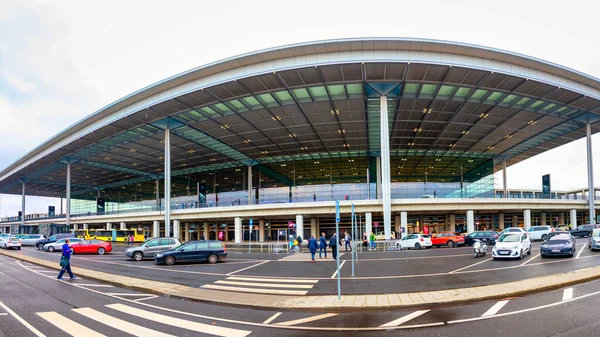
(448, 239)
(91, 246)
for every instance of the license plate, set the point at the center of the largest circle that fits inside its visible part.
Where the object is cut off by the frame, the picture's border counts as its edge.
(555, 250)
(503, 253)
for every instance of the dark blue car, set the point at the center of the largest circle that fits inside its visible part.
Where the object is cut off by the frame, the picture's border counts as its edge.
(194, 251)
(558, 244)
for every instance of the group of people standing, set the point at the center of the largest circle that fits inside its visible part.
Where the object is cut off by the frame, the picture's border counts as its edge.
(321, 245)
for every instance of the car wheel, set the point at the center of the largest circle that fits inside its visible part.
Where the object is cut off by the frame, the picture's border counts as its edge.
(529, 251)
(417, 246)
(542, 256)
(170, 260)
(212, 259)
(101, 251)
(495, 258)
(138, 256)
(450, 244)
(50, 249)
(40, 247)
(18, 248)
(544, 237)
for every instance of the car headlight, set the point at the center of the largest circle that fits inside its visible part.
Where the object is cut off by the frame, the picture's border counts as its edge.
(128, 250)
(158, 255)
(515, 246)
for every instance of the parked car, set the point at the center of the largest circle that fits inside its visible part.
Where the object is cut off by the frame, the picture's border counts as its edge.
(381, 236)
(582, 231)
(150, 247)
(194, 251)
(40, 244)
(416, 241)
(9, 242)
(57, 246)
(448, 239)
(513, 230)
(31, 239)
(91, 247)
(540, 232)
(558, 244)
(512, 245)
(594, 240)
(490, 237)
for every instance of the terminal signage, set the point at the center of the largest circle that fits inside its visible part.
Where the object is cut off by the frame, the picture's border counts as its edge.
(51, 211)
(100, 205)
(546, 184)
(291, 224)
(376, 224)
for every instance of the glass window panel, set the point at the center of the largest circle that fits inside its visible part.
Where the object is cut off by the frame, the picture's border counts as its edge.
(318, 92)
(462, 92)
(267, 98)
(251, 101)
(209, 111)
(336, 90)
(446, 90)
(509, 99)
(411, 88)
(562, 109)
(494, 96)
(354, 89)
(549, 107)
(523, 101)
(479, 93)
(196, 114)
(284, 96)
(222, 107)
(427, 89)
(301, 94)
(237, 104)
(537, 104)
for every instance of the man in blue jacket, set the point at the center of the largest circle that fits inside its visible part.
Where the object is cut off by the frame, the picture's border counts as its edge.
(312, 246)
(322, 245)
(66, 255)
(333, 243)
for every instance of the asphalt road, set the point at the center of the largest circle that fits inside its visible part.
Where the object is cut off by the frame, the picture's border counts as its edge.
(375, 272)
(34, 303)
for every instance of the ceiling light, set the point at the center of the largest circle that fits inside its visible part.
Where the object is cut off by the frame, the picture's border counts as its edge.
(283, 165)
(438, 159)
(466, 132)
(225, 127)
(304, 148)
(335, 112)
(132, 150)
(346, 145)
(418, 129)
(316, 162)
(135, 164)
(342, 131)
(292, 135)
(403, 159)
(411, 144)
(238, 170)
(427, 111)
(184, 164)
(264, 152)
(213, 159)
(247, 141)
(470, 160)
(351, 160)
(107, 158)
(191, 151)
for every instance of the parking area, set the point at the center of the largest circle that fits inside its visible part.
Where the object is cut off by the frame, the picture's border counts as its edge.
(374, 272)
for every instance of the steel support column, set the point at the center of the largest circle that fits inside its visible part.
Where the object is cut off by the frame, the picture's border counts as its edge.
(573, 218)
(403, 225)
(368, 223)
(527, 219)
(68, 205)
(23, 204)
(590, 169)
(167, 182)
(237, 234)
(504, 182)
(300, 226)
(157, 194)
(249, 184)
(385, 168)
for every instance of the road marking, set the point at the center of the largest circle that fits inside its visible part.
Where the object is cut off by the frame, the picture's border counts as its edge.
(95, 285)
(336, 271)
(404, 319)
(267, 285)
(70, 327)
(567, 294)
(22, 321)
(270, 319)
(179, 323)
(3, 314)
(145, 298)
(119, 294)
(279, 280)
(471, 265)
(307, 319)
(252, 290)
(130, 328)
(494, 310)
(47, 271)
(581, 250)
(256, 265)
(529, 260)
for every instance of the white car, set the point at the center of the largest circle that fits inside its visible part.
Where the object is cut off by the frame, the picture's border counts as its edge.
(57, 246)
(512, 245)
(7, 242)
(416, 241)
(539, 232)
(32, 239)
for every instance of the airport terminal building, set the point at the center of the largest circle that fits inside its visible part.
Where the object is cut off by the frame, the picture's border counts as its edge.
(408, 131)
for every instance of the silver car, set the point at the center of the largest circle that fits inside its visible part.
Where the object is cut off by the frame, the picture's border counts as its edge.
(57, 246)
(31, 239)
(151, 246)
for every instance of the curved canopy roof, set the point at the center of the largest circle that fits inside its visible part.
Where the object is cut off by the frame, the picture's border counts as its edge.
(301, 110)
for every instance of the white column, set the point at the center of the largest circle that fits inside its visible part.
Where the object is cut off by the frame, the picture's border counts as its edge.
(85, 226)
(250, 201)
(403, 224)
(167, 182)
(75, 226)
(527, 219)
(561, 219)
(453, 222)
(368, 223)
(590, 172)
(23, 205)
(313, 227)
(300, 226)
(470, 222)
(504, 182)
(68, 212)
(397, 223)
(543, 219)
(238, 230)
(378, 182)
(261, 230)
(501, 221)
(123, 226)
(186, 228)
(574, 218)
(177, 229)
(155, 229)
(108, 226)
(386, 179)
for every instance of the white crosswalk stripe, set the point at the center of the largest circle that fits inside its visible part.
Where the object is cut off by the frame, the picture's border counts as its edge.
(131, 328)
(70, 327)
(405, 318)
(278, 286)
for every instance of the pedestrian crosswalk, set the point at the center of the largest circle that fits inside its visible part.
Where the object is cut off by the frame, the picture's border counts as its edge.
(125, 318)
(279, 286)
(305, 256)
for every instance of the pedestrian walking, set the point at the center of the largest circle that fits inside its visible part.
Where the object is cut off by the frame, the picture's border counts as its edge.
(365, 240)
(65, 261)
(314, 197)
(347, 243)
(373, 240)
(322, 245)
(131, 239)
(312, 246)
(333, 243)
(299, 239)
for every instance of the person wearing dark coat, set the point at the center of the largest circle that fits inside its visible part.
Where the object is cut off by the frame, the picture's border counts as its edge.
(312, 246)
(333, 243)
(322, 245)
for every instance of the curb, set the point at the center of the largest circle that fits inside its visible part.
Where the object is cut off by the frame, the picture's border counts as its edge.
(329, 303)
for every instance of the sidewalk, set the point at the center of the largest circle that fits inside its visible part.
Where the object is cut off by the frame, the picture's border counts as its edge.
(331, 303)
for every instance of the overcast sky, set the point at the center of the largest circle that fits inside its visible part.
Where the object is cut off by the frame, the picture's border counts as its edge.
(62, 60)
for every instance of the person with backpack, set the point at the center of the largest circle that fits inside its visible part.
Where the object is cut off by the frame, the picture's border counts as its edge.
(322, 245)
(348, 239)
(373, 240)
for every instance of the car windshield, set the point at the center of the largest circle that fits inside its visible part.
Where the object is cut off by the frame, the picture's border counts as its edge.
(596, 233)
(559, 239)
(509, 238)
